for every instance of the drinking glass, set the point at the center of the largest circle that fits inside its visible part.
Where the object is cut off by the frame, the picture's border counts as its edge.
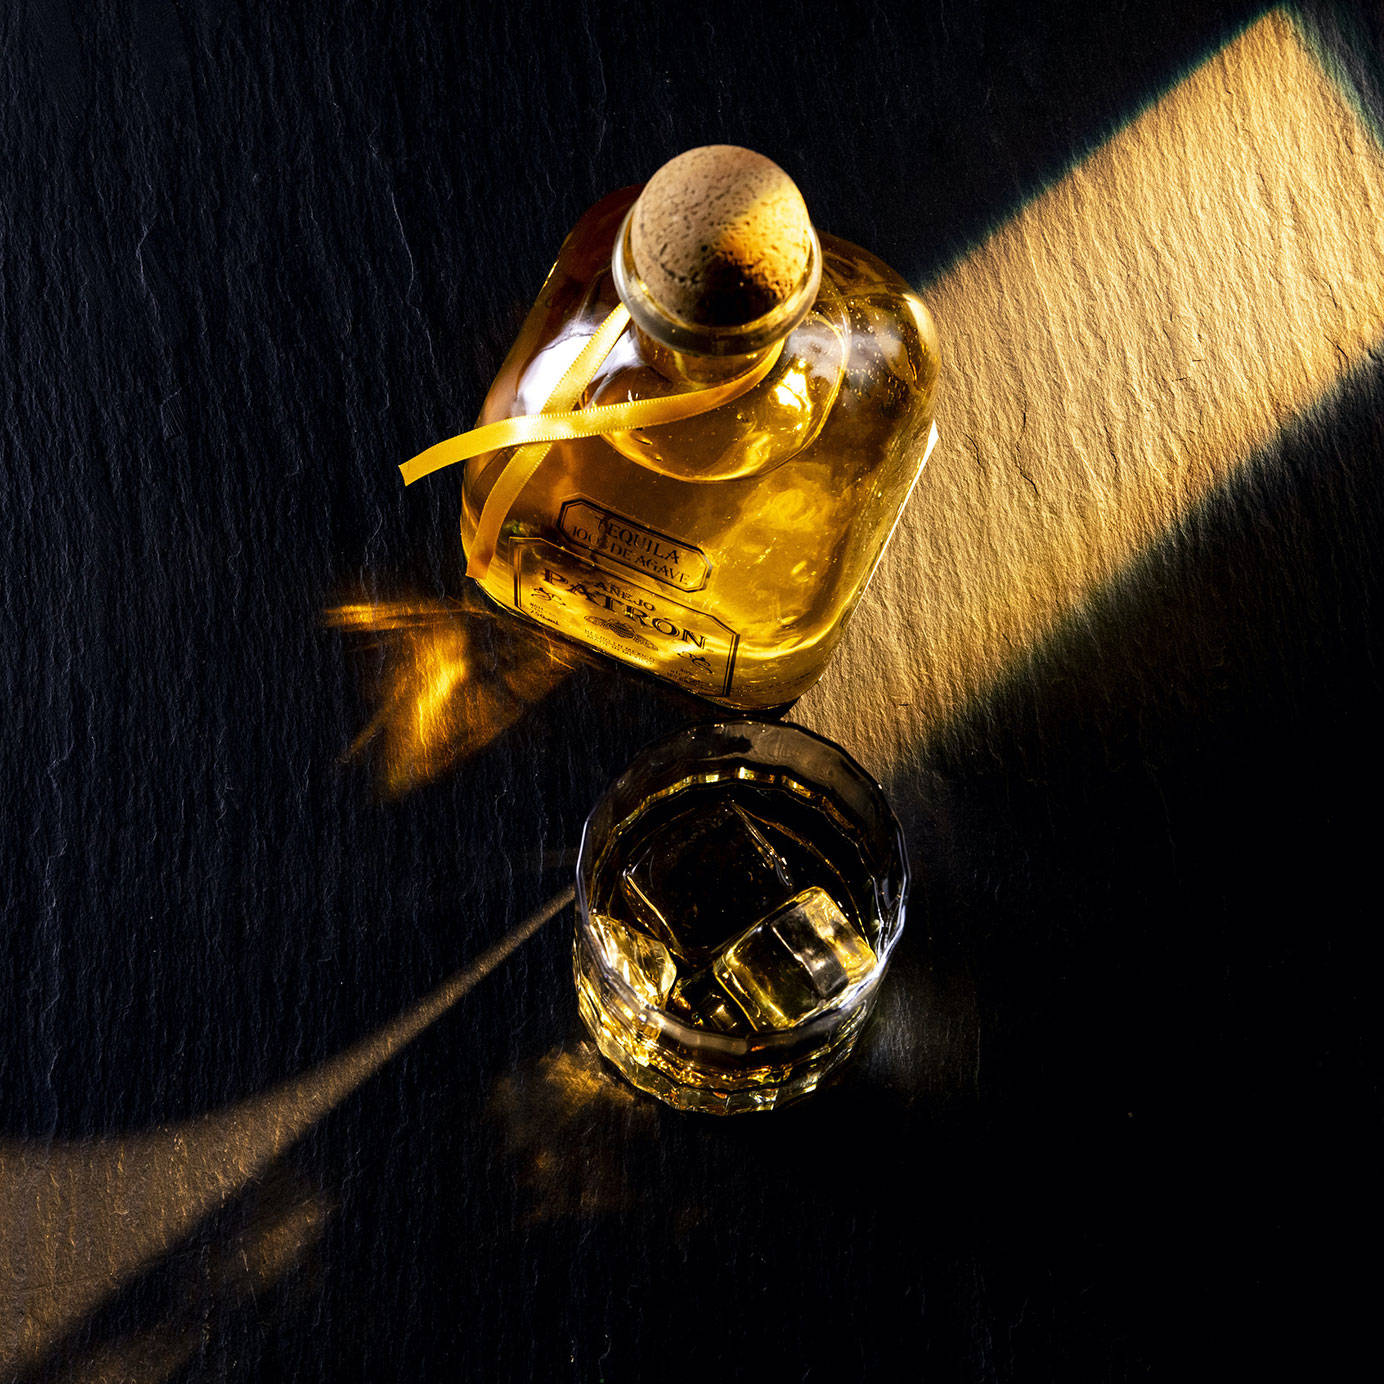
(740, 888)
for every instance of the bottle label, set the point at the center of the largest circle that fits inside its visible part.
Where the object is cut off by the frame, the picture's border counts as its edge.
(653, 554)
(622, 618)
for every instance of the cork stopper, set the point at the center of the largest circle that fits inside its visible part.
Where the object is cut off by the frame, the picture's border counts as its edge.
(720, 236)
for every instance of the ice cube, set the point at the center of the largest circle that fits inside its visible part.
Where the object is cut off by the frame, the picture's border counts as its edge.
(702, 878)
(699, 1000)
(641, 962)
(795, 962)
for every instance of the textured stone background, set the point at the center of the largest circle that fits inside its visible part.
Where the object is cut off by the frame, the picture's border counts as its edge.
(291, 1083)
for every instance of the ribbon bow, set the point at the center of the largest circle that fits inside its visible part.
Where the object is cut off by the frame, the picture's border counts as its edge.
(533, 434)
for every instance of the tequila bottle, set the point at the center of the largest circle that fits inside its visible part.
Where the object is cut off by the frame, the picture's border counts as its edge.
(723, 552)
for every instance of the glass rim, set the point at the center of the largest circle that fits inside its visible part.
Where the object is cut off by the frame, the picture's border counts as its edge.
(728, 1045)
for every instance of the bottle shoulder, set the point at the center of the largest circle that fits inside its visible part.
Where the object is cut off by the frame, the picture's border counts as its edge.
(867, 350)
(577, 295)
(588, 246)
(888, 318)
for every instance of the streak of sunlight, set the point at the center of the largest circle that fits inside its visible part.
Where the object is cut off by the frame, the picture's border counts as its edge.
(1112, 353)
(80, 1218)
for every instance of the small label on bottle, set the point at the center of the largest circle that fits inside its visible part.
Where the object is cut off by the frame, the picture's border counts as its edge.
(641, 549)
(624, 619)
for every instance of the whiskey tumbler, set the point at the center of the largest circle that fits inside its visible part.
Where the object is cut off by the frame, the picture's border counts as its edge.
(740, 888)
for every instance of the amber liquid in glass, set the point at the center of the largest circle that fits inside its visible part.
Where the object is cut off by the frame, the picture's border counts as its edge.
(723, 553)
(743, 924)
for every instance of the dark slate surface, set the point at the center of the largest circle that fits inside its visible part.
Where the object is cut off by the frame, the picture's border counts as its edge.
(253, 257)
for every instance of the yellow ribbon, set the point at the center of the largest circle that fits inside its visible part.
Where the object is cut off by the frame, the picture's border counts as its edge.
(533, 434)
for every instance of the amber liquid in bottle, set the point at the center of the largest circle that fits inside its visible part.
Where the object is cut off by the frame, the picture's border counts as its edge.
(723, 553)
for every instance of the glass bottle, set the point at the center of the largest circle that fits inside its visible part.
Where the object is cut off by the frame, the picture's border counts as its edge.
(724, 552)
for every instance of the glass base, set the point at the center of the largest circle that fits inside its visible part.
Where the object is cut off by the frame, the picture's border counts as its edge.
(712, 1074)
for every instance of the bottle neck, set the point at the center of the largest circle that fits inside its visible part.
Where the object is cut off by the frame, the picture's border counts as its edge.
(693, 368)
(702, 352)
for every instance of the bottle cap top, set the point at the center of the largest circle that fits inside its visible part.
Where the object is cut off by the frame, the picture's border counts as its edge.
(720, 237)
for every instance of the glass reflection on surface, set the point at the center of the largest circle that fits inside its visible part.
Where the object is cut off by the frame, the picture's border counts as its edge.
(454, 675)
(573, 1132)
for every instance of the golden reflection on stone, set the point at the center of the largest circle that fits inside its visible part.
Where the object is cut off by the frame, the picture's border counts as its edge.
(79, 1219)
(453, 676)
(1111, 354)
(566, 1123)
